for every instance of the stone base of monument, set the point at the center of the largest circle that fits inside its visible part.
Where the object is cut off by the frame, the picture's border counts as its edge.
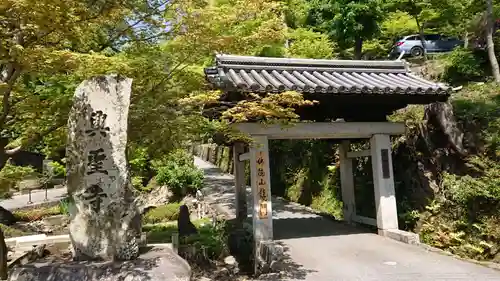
(157, 263)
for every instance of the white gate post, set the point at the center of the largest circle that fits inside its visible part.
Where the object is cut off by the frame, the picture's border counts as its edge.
(261, 189)
(383, 180)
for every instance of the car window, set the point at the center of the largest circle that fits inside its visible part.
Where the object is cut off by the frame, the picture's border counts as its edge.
(411, 38)
(432, 37)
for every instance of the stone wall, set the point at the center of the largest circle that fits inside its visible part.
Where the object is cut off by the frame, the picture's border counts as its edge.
(221, 156)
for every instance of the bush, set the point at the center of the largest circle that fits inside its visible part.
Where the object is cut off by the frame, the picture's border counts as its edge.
(58, 169)
(178, 172)
(165, 213)
(11, 175)
(210, 244)
(139, 162)
(137, 183)
(464, 65)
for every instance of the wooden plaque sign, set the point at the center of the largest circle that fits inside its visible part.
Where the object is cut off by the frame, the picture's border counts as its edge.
(262, 186)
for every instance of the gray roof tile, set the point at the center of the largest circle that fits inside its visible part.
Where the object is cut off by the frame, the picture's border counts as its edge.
(262, 74)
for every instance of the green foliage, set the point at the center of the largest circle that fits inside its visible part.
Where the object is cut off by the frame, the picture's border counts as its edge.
(178, 172)
(328, 200)
(346, 21)
(137, 183)
(138, 159)
(162, 232)
(165, 213)
(64, 205)
(396, 25)
(58, 169)
(301, 172)
(306, 43)
(210, 244)
(463, 65)
(11, 175)
(478, 104)
(464, 215)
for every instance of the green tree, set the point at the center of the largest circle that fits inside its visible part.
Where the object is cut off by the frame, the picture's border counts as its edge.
(347, 22)
(48, 46)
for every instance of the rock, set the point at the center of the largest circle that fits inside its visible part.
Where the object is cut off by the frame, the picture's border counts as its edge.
(50, 224)
(441, 114)
(58, 220)
(221, 273)
(23, 258)
(104, 213)
(158, 264)
(230, 260)
(270, 277)
(157, 197)
(184, 224)
(6, 217)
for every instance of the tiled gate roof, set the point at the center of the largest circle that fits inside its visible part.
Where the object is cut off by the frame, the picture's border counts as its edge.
(262, 74)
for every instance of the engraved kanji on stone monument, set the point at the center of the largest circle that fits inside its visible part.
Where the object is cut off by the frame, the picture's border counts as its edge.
(95, 160)
(94, 196)
(98, 124)
(104, 214)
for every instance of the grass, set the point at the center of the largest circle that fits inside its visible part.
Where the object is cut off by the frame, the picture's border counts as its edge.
(13, 232)
(162, 232)
(162, 214)
(37, 213)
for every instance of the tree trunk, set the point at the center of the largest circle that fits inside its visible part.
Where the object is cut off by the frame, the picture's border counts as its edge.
(422, 39)
(495, 69)
(466, 40)
(358, 48)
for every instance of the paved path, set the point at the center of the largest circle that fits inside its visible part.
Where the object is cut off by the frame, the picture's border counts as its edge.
(37, 197)
(319, 249)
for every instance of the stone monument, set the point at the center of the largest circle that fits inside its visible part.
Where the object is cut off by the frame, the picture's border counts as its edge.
(105, 220)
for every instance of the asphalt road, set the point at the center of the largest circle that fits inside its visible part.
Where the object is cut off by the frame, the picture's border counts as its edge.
(37, 197)
(320, 249)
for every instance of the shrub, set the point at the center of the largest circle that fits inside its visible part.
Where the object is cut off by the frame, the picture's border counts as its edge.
(137, 183)
(210, 244)
(177, 171)
(165, 213)
(139, 163)
(463, 65)
(11, 175)
(58, 169)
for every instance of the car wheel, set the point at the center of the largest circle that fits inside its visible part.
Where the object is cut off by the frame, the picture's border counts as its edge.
(417, 51)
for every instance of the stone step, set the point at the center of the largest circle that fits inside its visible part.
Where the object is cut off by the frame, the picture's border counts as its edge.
(48, 240)
(30, 238)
